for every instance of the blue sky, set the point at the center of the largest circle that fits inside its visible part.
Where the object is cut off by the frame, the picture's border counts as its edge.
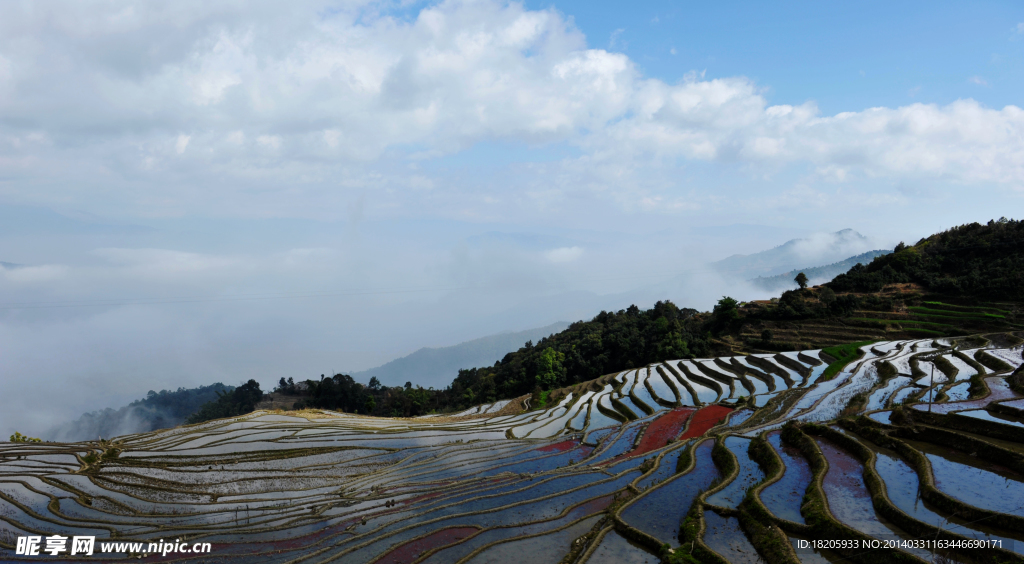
(846, 56)
(195, 192)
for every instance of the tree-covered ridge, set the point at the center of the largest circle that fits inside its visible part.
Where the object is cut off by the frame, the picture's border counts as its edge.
(158, 410)
(586, 350)
(342, 393)
(609, 342)
(238, 401)
(981, 261)
(970, 264)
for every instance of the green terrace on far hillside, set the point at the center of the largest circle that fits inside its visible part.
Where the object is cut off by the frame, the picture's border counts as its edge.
(948, 329)
(946, 306)
(944, 320)
(951, 319)
(928, 332)
(844, 354)
(900, 322)
(951, 313)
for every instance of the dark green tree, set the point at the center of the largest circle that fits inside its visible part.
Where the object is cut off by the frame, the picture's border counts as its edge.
(726, 311)
(239, 401)
(827, 296)
(801, 280)
(549, 368)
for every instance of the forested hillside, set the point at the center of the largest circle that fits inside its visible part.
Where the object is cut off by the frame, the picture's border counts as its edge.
(158, 410)
(984, 262)
(940, 286)
(968, 279)
(236, 401)
(586, 350)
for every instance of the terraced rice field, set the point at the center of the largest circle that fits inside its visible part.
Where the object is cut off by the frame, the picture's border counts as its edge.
(735, 459)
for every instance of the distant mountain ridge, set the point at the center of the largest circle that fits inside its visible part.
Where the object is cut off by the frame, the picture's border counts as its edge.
(821, 248)
(815, 275)
(437, 367)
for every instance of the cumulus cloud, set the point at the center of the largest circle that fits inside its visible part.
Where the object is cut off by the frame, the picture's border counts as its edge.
(331, 94)
(728, 119)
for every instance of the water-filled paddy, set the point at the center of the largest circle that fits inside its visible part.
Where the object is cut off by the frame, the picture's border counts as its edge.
(542, 549)
(902, 486)
(993, 417)
(616, 549)
(959, 392)
(783, 497)
(880, 397)
(274, 487)
(740, 416)
(749, 474)
(666, 468)
(975, 481)
(660, 509)
(901, 396)
(849, 499)
(724, 536)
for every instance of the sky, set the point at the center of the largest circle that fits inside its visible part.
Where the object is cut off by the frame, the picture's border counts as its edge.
(194, 192)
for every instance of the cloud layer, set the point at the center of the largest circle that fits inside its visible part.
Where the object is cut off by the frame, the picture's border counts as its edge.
(272, 109)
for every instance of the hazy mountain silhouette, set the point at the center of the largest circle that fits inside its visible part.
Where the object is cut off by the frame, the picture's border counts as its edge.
(437, 367)
(820, 248)
(816, 274)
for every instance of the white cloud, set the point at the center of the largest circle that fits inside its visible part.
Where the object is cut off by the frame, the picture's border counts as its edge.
(728, 119)
(213, 70)
(977, 80)
(343, 99)
(1019, 28)
(269, 141)
(563, 254)
(182, 143)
